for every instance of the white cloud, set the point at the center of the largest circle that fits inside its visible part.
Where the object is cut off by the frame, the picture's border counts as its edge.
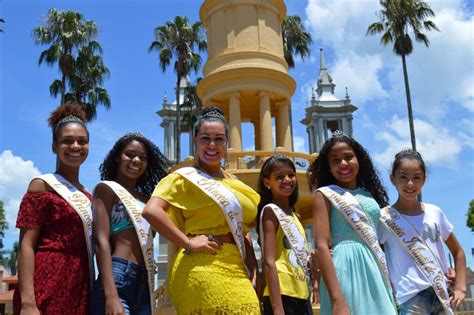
(299, 144)
(438, 146)
(15, 175)
(360, 75)
(439, 75)
(466, 133)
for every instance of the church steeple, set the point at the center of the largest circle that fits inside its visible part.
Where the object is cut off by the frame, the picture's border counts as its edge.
(325, 86)
(327, 113)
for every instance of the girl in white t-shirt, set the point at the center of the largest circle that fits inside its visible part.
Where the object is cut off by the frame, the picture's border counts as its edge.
(414, 291)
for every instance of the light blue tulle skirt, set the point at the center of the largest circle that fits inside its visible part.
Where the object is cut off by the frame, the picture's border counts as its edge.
(360, 279)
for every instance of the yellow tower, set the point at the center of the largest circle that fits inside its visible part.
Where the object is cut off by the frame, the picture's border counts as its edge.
(246, 75)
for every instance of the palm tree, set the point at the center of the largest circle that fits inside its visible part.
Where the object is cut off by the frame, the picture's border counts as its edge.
(397, 17)
(177, 40)
(84, 83)
(296, 40)
(192, 106)
(66, 32)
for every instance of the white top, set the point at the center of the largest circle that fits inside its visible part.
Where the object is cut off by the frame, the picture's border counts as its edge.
(407, 280)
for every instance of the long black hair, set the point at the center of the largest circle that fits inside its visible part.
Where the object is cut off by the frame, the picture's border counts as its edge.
(266, 195)
(156, 169)
(319, 174)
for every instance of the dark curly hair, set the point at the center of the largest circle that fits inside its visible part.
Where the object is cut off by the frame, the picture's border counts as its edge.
(66, 114)
(319, 174)
(266, 195)
(156, 168)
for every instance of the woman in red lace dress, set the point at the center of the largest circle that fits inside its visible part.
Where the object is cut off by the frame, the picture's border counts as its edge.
(53, 264)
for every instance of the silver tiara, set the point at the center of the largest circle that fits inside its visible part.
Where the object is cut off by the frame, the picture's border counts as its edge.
(339, 134)
(67, 119)
(70, 118)
(275, 157)
(134, 134)
(213, 113)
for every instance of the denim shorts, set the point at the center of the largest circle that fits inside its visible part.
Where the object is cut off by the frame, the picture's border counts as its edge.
(425, 302)
(132, 287)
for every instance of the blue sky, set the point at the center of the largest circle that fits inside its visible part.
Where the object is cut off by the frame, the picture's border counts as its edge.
(441, 77)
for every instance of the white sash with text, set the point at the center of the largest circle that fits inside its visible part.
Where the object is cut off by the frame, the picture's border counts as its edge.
(81, 204)
(224, 198)
(143, 230)
(296, 239)
(351, 210)
(419, 251)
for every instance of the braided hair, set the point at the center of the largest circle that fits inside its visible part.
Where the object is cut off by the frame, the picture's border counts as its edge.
(319, 174)
(156, 169)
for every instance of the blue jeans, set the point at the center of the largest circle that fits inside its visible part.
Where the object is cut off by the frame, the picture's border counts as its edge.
(132, 287)
(424, 303)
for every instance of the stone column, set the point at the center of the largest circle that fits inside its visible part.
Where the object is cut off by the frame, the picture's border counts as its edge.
(321, 133)
(283, 132)
(266, 139)
(171, 140)
(349, 122)
(256, 126)
(310, 139)
(235, 132)
(345, 126)
(165, 144)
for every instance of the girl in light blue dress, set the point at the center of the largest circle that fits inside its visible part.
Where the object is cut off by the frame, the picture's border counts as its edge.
(351, 280)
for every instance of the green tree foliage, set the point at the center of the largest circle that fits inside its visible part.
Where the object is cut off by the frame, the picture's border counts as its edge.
(179, 41)
(191, 107)
(13, 259)
(470, 215)
(72, 46)
(3, 224)
(397, 19)
(296, 40)
(3, 228)
(85, 83)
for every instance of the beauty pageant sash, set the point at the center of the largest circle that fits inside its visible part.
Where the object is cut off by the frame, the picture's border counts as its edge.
(143, 230)
(224, 198)
(296, 239)
(351, 210)
(419, 251)
(81, 204)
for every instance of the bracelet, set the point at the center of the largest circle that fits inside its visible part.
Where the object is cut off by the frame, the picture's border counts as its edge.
(187, 251)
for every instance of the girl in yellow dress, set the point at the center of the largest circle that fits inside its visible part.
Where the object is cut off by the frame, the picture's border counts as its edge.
(208, 274)
(287, 279)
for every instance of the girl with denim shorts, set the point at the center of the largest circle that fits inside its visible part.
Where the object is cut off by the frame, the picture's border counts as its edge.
(124, 252)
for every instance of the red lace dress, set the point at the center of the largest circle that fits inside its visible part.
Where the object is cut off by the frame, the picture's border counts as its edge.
(61, 278)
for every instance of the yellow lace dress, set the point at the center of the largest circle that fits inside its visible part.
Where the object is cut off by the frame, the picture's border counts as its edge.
(201, 283)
